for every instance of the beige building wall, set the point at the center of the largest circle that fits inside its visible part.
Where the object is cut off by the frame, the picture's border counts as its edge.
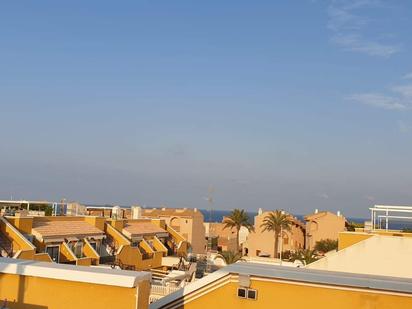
(226, 237)
(188, 222)
(323, 225)
(263, 243)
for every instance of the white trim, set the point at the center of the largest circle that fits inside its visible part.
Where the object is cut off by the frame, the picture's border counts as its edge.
(303, 276)
(86, 274)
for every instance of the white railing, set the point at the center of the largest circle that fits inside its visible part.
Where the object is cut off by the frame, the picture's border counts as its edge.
(163, 290)
(159, 291)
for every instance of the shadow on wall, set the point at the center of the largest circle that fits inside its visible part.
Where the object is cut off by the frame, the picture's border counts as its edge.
(10, 303)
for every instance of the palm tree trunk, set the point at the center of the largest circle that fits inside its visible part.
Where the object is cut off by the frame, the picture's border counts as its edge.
(276, 245)
(237, 241)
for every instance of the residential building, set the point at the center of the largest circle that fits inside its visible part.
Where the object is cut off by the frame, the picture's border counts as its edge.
(323, 225)
(250, 285)
(141, 244)
(70, 240)
(218, 238)
(262, 243)
(39, 285)
(88, 240)
(187, 222)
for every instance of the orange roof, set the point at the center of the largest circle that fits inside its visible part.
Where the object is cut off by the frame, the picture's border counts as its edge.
(65, 228)
(142, 228)
(179, 212)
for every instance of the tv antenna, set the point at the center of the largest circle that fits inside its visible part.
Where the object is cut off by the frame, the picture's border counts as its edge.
(210, 200)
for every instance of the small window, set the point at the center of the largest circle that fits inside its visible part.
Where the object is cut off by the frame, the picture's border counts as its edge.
(251, 294)
(241, 292)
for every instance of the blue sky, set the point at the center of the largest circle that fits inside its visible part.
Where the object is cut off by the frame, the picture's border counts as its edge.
(295, 105)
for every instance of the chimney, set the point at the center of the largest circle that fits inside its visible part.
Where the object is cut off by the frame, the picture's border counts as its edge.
(136, 212)
(338, 213)
(316, 211)
(260, 211)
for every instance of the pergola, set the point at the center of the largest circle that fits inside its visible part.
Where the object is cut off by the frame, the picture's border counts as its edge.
(383, 213)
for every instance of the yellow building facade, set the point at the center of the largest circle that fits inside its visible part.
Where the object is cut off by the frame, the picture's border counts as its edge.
(286, 287)
(39, 285)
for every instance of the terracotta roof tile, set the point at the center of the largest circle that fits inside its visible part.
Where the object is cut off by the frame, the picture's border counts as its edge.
(65, 228)
(142, 228)
(182, 212)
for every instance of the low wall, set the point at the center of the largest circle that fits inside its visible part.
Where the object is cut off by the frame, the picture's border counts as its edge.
(39, 285)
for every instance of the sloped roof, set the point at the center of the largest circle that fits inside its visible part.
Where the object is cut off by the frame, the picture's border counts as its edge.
(142, 228)
(63, 229)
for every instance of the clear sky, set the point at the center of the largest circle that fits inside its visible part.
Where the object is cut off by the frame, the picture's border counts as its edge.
(277, 104)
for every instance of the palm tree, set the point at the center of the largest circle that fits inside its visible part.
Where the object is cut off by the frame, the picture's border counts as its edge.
(237, 219)
(276, 221)
(306, 256)
(229, 257)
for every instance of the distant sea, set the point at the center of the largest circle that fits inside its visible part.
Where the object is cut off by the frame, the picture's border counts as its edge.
(217, 216)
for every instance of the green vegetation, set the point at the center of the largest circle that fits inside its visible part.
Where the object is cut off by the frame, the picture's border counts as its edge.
(229, 257)
(48, 210)
(351, 226)
(326, 245)
(306, 256)
(276, 221)
(237, 219)
(407, 230)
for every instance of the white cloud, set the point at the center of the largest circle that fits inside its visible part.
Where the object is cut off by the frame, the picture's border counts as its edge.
(346, 23)
(408, 76)
(378, 100)
(356, 43)
(398, 97)
(404, 91)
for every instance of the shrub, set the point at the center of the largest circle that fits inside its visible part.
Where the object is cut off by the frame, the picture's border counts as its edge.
(326, 245)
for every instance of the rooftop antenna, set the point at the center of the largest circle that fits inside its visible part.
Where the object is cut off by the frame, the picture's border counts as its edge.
(210, 201)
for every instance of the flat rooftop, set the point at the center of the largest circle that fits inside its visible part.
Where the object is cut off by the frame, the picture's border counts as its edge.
(294, 275)
(377, 255)
(66, 272)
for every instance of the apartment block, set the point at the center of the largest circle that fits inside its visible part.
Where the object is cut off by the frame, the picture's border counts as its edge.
(323, 225)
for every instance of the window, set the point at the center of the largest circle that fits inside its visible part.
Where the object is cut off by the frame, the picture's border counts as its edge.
(247, 293)
(53, 252)
(241, 292)
(251, 294)
(94, 245)
(78, 249)
(135, 243)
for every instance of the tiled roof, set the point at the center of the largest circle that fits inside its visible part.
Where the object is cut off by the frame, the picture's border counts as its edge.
(142, 228)
(64, 228)
(154, 212)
